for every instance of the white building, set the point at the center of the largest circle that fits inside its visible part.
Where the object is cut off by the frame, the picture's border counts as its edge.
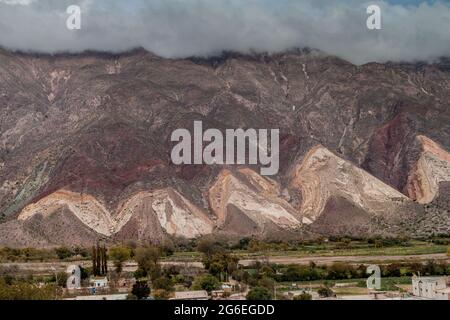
(430, 288)
(99, 282)
(114, 297)
(191, 295)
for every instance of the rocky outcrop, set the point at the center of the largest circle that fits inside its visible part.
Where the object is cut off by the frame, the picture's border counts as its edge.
(408, 161)
(84, 207)
(393, 151)
(336, 192)
(247, 203)
(85, 142)
(173, 213)
(432, 168)
(151, 215)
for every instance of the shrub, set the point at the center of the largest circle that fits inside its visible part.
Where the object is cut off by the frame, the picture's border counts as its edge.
(147, 259)
(162, 283)
(206, 282)
(26, 291)
(259, 293)
(161, 294)
(141, 290)
(63, 253)
(325, 292)
(119, 255)
(303, 296)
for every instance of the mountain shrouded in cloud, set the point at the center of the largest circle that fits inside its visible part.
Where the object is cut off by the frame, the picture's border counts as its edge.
(180, 28)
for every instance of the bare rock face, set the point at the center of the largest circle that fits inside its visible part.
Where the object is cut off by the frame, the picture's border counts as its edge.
(432, 168)
(248, 203)
(147, 216)
(408, 161)
(176, 215)
(85, 146)
(436, 219)
(335, 192)
(84, 207)
(393, 151)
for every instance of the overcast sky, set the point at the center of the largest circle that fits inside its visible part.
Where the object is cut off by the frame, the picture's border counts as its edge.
(412, 29)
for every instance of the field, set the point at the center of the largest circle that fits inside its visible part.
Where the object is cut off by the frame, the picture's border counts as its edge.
(331, 249)
(348, 287)
(325, 253)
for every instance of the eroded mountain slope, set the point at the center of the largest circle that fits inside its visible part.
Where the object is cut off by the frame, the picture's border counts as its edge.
(336, 193)
(97, 126)
(432, 168)
(147, 215)
(248, 203)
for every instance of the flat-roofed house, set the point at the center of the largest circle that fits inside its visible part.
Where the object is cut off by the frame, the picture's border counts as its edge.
(99, 282)
(191, 295)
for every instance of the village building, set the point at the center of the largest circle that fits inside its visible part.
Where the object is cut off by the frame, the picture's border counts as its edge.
(191, 295)
(99, 282)
(111, 297)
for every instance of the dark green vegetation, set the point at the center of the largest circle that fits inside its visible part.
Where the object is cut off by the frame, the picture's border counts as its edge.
(221, 264)
(338, 271)
(28, 287)
(140, 290)
(119, 255)
(181, 249)
(249, 248)
(43, 255)
(99, 260)
(303, 296)
(259, 293)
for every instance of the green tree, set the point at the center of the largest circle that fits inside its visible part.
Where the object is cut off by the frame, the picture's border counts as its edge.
(148, 262)
(267, 283)
(27, 291)
(207, 247)
(61, 279)
(119, 255)
(220, 264)
(325, 292)
(162, 283)
(167, 248)
(141, 290)
(63, 253)
(259, 293)
(207, 282)
(85, 273)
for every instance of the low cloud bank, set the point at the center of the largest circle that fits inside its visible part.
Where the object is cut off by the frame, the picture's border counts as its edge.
(182, 28)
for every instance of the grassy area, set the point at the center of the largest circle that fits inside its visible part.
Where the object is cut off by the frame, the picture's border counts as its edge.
(184, 256)
(389, 284)
(350, 291)
(353, 249)
(325, 249)
(330, 250)
(359, 287)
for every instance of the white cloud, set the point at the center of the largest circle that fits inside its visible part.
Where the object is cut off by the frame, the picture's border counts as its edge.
(17, 2)
(180, 28)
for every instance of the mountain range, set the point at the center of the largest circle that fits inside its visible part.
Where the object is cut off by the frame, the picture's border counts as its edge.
(85, 147)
